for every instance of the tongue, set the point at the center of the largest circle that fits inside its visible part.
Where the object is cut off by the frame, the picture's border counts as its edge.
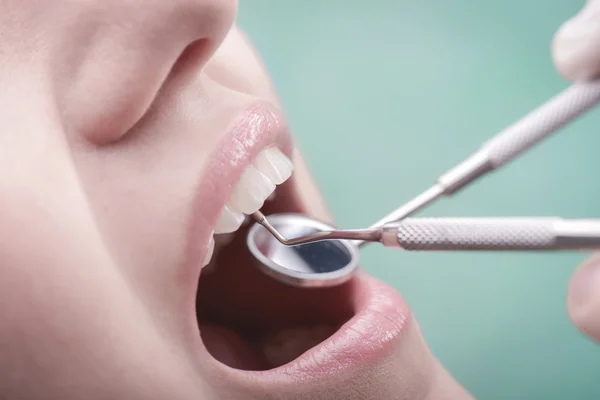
(231, 349)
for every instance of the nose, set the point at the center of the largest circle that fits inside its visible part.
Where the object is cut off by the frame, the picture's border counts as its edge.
(120, 52)
(194, 21)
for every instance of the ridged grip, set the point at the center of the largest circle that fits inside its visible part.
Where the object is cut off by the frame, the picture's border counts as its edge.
(541, 122)
(472, 234)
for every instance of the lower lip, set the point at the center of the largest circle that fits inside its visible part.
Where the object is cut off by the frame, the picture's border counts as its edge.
(371, 335)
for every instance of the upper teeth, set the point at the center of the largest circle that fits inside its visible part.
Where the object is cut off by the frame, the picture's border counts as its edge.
(210, 250)
(270, 167)
(251, 191)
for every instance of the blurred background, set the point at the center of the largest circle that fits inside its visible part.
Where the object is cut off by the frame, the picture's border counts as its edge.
(398, 91)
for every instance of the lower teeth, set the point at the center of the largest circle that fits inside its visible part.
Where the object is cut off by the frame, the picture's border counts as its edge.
(289, 344)
(220, 241)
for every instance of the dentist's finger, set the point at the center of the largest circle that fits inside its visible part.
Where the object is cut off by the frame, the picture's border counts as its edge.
(583, 301)
(576, 44)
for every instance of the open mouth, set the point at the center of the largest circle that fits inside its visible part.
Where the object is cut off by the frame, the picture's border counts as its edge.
(250, 321)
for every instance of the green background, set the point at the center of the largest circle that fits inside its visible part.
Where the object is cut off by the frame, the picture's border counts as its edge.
(383, 96)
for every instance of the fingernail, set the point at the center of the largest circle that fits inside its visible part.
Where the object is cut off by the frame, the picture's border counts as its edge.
(576, 45)
(585, 279)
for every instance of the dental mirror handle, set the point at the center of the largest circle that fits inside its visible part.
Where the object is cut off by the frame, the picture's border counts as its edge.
(505, 146)
(492, 234)
(522, 135)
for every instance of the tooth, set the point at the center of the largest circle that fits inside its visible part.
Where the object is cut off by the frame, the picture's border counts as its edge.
(209, 251)
(289, 344)
(274, 357)
(229, 221)
(223, 240)
(251, 191)
(256, 185)
(220, 241)
(209, 268)
(274, 164)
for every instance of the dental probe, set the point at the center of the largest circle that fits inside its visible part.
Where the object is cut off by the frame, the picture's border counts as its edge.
(496, 152)
(506, 145)
(478, 234)
(328, 263)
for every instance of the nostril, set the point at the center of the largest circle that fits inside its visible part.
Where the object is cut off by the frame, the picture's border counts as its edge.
(205, 19)
(191, 61)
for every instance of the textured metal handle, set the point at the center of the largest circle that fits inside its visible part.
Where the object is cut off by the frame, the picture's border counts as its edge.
(492, 234)
(541, 122)
(523, 134)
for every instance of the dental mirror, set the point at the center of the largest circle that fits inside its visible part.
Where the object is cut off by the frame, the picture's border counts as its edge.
(319, 264)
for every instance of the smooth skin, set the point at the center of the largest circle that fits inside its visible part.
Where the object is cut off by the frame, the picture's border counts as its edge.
(94, 142)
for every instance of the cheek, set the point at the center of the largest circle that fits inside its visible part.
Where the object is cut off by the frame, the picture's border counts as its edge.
(141, 192)
(71, 320)
(237, 65)
(61, 299)
(141, 207)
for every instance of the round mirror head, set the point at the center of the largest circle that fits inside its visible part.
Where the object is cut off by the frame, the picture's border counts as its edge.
(319, 264)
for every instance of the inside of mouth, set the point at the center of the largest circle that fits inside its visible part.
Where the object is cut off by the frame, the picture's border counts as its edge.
(251, 321)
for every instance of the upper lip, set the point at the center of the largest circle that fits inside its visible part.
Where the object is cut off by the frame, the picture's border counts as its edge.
(257, 127)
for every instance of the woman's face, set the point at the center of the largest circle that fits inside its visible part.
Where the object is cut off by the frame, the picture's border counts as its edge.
(133, 131)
